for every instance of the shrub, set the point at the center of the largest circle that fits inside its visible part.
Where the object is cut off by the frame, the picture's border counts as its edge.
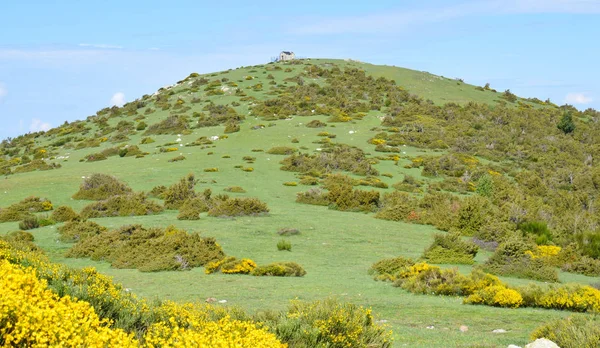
(76, 230)
(95, 157)
(121, 205)
(584, 265)
(389, 269)
(572, 332)
(192, 208)
(316, 124)
(147, 140)
(177, 158)
(286, 231)
(450, 248)
(230, 265)
(284, 245)
(19, 236)
(157, 191)
(238, 207)
(309, 180)
(497, 295)
(23, 209)
(149, 250)
(64, 213)
(170, 125)
(571, 297)
(231, 127)
(101, 186)
(29, 223)
(178, 193)
(281, 150)
(280, 269)
(235, 189)
(211, 170)
(329, 323)
(248, 169)
(290, 183)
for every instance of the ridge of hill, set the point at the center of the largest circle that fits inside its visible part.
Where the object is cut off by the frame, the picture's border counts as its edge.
(385, 157)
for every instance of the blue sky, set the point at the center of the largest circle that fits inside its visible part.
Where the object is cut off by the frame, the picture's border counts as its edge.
(64, 60)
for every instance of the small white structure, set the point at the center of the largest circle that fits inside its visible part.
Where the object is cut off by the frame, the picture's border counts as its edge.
(285, 55)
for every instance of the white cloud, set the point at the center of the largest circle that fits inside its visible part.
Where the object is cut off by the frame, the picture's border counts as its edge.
(38, 125)
(117, 99)
(578, 98)
(3, 92)
(100, 46)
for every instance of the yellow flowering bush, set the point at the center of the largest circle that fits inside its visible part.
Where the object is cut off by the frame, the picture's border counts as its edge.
(231, 265)
(496, 295)
(32, 315)
(376, 141)
(571, 297)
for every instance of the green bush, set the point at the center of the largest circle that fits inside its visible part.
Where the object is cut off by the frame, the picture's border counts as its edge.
(76, 230)
(101, 186)
(177, 158)
(572, 332)
(231, 127)
(316, 124)
(328, 323)
(389, 269)
(149, 250)
(280, 269)
(19, 236)
(170, 125)
(192, 208)
(286, 231)
(157, 191)
(64, 213)
(281, 150)
(235, 189)
(24, 209)
(29, 223)
(95, 157)
(238, 207)
(121, 205)
(584, 265)
(450, 248)
(178, 193)
(284, 245)
(147, 140)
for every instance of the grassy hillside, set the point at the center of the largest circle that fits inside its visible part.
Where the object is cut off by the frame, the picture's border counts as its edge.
(538, 173)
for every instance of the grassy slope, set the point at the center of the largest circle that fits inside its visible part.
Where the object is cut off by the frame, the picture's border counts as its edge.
(336, 248)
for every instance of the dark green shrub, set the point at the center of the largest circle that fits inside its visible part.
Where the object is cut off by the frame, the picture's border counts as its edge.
(147, 140)
(101, 186)
(76, 230)
(280, 269)
(450, 248)
(584, 265)
(19, 236)
(29, 223)
(157, 191)
(510, 259)
(572, 332)
(351, 326)
(95, 157)
(64, 213)
(286, 231)
(566, 124)
(129, 150)
(238, 207)
(177, 158)
(281, 150)
(339, 157)
(235, 189)
(23, 209)
(141, 126)
(589, 243)
(178, 193)
(121, 205)
(231, 127)
(170, 125)
(149, 250)
(284, 245)
(389, 269)
(316, 124)
(192, 208)
(397, 206)
(538, 229)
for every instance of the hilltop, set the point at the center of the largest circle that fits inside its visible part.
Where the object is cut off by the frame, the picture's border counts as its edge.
(363, 162)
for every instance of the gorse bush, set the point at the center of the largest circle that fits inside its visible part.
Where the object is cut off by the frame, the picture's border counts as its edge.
(281, 150)
(284, 245)
(29, 222)
(178, 193)
(230, 265)
(76, 230)
(450, 248)
(170, 125)
(571, 332)
(122, 205)
(238, 207)
(280, 269)
(235, 189)
(339, 157)
(192, 208)
(63, 213)
(389, 269)
(149, 250)
(101, 186)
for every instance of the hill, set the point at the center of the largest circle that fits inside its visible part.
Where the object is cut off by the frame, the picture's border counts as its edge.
(364, 162)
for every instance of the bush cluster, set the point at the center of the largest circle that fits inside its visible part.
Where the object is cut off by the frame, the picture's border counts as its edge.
(24, 209)
(450, 248)
(238, 207)
(121, 205)
(230, 265)
(572, 332)
(280, 269)
(101, 186)
(63, 213)
(76, 230)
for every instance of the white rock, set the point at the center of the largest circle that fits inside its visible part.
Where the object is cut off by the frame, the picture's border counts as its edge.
(214, 137)
(499, 331)
(542, 343)
(431, 327)
(222, 301)
(351, 132)
(513, 346)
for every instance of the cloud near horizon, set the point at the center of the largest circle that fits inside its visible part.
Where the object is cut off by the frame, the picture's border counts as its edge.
(578, 98)
(118, 99)
(3, 92)
(38, 125)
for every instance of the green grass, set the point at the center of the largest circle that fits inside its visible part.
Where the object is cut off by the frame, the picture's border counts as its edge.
(335, 248)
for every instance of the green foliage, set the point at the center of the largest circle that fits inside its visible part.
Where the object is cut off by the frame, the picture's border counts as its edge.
(485, 186)
(64, 213)
(566, 124)
(122, 205)
(29, 223)
(19, 236)
(339, 157)
(280, 269)
(177, 158)
(192, 208)
(281, 150)
(231, 127)
(24, 209)
(287, 231)
(170, 125)
(389, 269)
(511, 259)
(450, 248)
(234, 189)
(178, 193)
(149, 250)
(572, 332)
(328, 323)
(76, 230)
(284, 245)
(238, 207)
(101, 186)
(538, 229)
(589, 243)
